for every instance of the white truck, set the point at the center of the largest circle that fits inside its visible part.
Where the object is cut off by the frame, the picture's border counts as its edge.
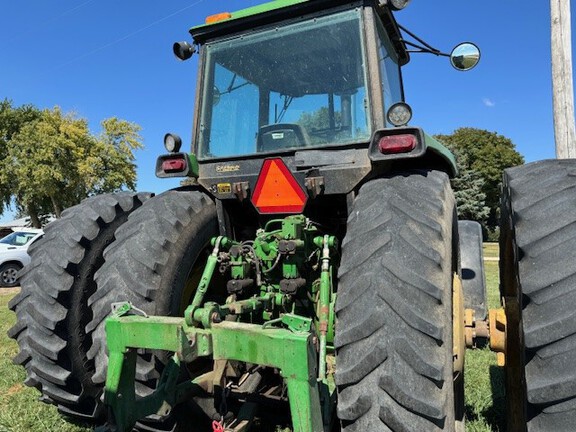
(14, 253)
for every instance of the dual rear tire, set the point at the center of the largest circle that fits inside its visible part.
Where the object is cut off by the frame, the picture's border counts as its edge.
(151, 247)
(394, 341)
(52, 310)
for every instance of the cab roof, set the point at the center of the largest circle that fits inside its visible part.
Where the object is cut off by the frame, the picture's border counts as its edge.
(281, 10)
(255, 10)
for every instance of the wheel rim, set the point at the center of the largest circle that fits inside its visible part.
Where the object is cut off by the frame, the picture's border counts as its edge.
(459, 345)
(9, 275)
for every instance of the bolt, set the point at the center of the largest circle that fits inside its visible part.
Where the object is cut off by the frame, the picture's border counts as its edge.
(315, 343)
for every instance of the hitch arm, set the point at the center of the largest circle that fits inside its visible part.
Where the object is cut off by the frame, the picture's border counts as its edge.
(291, 350)
(124, 336)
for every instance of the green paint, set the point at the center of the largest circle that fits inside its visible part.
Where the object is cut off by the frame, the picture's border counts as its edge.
(121, 309)
(124, 335)
(193, 164)
(255, 10)
(286, 341)
(292, 227)
(441, 150)
(205, 279)
(294, 323)
(290, 350)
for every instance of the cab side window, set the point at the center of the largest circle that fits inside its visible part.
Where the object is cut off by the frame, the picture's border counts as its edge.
(389, 70)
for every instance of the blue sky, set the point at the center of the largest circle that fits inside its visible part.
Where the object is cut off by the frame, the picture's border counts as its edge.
(104, 58)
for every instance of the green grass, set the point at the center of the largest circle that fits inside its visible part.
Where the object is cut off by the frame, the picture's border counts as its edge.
(20, 409)
(484, 380)
(22, 412)
(491, 250)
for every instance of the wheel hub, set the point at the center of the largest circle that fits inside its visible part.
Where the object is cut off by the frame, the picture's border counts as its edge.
(9, 276)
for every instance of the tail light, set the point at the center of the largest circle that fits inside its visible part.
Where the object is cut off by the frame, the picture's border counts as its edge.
(173, 165)
(394, 144)
(397, 143)
(176, 165)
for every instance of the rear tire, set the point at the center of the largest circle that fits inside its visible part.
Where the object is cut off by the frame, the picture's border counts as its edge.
(394, 308)
(538, 279)
(51, 309)
(154, 263)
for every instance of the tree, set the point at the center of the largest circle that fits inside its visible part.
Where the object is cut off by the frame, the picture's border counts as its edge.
(11, 121)
(53, 162)
(109, 165)
(319, 121)
(488, 154)
(467, 186)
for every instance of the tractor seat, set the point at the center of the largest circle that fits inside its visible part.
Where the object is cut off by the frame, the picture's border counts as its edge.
(280, 136)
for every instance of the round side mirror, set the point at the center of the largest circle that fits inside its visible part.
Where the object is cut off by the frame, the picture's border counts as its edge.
(465, 56)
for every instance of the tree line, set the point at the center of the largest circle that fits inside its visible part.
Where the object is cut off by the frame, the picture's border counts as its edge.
(481, 158)
(50, 160)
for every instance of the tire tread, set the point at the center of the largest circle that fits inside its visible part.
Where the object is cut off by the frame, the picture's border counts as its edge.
(59, 261)
(542, 201)
(394, 352)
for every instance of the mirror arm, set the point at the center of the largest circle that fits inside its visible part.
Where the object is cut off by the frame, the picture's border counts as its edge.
(423, 47)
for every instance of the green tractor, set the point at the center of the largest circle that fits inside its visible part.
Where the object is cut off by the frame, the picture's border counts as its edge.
(309, 274)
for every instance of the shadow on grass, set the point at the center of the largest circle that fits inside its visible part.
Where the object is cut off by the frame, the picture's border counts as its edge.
(495, 414)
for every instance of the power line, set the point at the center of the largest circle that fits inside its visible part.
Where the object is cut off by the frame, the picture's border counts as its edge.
(123, 38)
(48, 21)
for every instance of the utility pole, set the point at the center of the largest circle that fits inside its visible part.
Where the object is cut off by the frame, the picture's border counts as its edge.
(562, 83)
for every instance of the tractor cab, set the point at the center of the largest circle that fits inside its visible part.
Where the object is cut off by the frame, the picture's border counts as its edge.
(311, 80)
(316, 82)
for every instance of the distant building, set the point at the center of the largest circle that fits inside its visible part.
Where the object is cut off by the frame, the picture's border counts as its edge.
(6, 227)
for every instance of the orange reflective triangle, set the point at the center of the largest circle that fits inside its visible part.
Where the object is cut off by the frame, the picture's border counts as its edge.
(276, 190)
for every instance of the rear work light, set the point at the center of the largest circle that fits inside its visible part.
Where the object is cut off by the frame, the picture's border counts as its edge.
(394, 144)
(172, 142)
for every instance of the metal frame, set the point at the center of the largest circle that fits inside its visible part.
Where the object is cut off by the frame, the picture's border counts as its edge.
(376, 100)
(291, 350)
(294, 344)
